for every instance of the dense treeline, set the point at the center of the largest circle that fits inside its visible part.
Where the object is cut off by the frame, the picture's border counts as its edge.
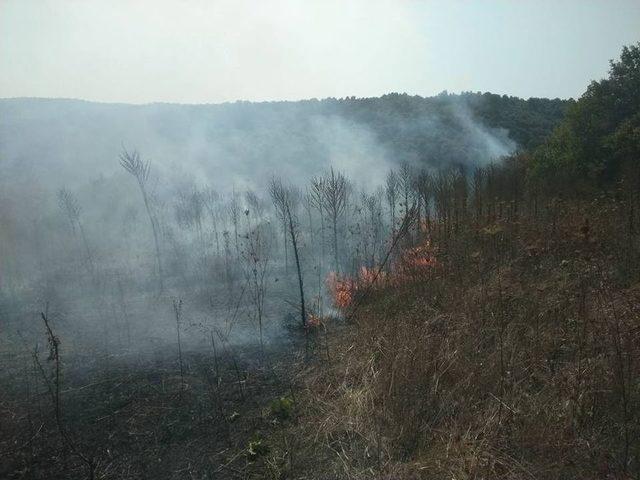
(399, 120)
(528, 122)
(468, 129)
(600, 137)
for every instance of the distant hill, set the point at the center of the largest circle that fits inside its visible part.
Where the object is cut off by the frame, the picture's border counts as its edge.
(77, 140)
(527, 122)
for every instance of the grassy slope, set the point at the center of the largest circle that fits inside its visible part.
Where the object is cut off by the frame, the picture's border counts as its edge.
(516, 358)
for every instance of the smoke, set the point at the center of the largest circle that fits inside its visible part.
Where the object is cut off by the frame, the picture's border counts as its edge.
(70, 143)
(46, 145)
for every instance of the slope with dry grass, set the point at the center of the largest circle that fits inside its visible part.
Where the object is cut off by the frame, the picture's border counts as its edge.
(515, 355)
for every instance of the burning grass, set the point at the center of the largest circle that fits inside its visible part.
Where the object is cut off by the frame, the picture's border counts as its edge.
(412, 263)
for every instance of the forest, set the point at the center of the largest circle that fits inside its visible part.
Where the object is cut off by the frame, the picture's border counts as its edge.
(391, 287)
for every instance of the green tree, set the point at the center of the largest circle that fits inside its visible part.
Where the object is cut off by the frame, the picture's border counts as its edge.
(601, 130)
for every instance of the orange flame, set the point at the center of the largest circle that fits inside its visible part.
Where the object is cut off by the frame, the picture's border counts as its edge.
(342, 289)
(412, 261)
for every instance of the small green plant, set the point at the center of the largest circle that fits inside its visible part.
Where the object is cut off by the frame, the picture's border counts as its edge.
(282, 408)
(256, 448)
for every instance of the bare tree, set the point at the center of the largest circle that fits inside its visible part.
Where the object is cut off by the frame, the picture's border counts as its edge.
(53, 383)
(140, 170)
(308, 204)
(177, 310)
(71, 207)
(227, 259)
(316, 199)
(373, 205)
(286, 200)
(442, 195)
(391, 192)
(281, 213)
(333, 191)
(460, 187)
(255, 204)
(256, 259)
(233, 208)
(189, 212)
(424, 189)
(211, 201)
(406, 185)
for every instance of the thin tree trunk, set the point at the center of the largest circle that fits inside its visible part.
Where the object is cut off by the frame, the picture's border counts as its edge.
(303, 313)
(156, 242)
(86, 247)
(335, 243)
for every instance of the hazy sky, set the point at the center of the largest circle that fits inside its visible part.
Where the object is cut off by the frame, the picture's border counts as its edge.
(195, 51)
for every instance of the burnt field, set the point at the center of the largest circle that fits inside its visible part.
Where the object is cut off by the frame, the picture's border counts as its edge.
(145, 415)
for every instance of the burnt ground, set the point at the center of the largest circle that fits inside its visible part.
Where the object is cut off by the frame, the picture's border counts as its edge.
(137, 417)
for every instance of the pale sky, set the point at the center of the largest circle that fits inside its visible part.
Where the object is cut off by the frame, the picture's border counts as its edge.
(210, 51)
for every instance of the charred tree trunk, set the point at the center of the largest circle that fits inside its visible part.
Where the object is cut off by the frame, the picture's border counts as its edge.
(294, 242)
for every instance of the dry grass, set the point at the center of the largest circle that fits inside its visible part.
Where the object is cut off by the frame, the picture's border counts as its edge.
(517, 358)
(513, 355)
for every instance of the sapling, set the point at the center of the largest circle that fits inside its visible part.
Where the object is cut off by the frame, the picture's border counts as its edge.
(140, 170)
(53, 387)
(280, 207)
(256, 261)
(211, 200)
(125, 314)
(406, 186)
(286, 200)
(71, 207)
(332, 190)
(391, 194)
(233, 209)
(177, 310)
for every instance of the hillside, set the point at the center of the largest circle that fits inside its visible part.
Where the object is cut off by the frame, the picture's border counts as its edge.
(503, 340)
(70, 138)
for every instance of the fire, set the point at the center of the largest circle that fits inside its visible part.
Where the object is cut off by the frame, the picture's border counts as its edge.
(342, 289)
(411, 262)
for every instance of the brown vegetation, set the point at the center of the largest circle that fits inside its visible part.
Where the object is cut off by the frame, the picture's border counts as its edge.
(516, 358)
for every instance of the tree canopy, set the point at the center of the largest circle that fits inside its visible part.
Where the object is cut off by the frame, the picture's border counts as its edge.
(601, 131)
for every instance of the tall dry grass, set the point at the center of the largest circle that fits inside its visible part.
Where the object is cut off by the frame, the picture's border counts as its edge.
(516, 356)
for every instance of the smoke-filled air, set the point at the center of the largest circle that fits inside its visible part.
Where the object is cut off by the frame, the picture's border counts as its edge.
(322, 262)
